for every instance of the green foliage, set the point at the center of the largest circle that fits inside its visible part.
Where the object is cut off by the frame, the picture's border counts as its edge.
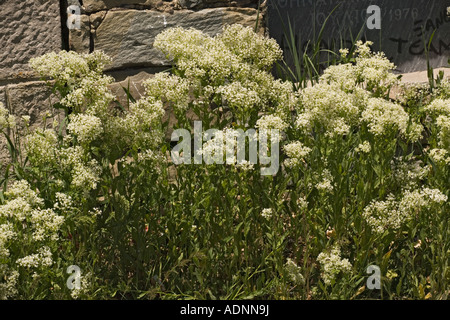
(364, 181)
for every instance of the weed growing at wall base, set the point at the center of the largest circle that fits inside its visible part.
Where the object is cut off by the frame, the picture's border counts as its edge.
(334, 191)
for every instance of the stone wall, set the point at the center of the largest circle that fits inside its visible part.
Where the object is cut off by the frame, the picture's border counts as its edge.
(124, 29)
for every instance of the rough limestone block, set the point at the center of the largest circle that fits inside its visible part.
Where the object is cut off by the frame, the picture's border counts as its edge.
(79, 39)
(128, 35)
(28, 28)
(97, 5)
(135, 84)
(217, 3)
(33, 99)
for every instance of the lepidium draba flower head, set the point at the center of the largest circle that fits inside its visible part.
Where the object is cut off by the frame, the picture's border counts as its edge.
(364, 147)
(391, 214)
(25, 223)
(296, 153)
(8, 282)
(249, 46)
(439, 107)
(374, 69)
(267, 213)
(42, 258)
(229, 70)
(383, 116)
(333, 265)
(239, 97)
(43, 223)
(443, 123)
(384, 215)
(6, 120)
(440, 156)
(271, 122)
(329, 107)
(86, 127)
(343, 75)
(294, 272)
(169, 88)
(68, 67)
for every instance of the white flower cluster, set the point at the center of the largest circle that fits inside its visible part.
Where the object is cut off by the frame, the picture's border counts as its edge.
(85, 284)
(244, 43)
(296, 152)
(333, 264)
(45, 224)
(328, 106)
(383, 215)
(409, 173)
(42, 258)
(169, 88)
(391, 214)
(90, 94)
(21, 201)
(6, 233)
(214, 149)
(141, 126)
(294, 272)
(79, 79)
(43, 151)
(373, 68)
(417, 200)
(268, 122)
(86, 176)
(340, 100)
(443, 122)
(42, 146)
(86, 95)
(23, 204)
(344, 52)
(84, 90)
(6, 120)
(302, 203)
(440, 156)
(343, 75)
(86, 127)
(63, 67)
(383, 116)
(267, 213)
(439, 107)
(230, 68)
(8, 282)
(440, 110)
(326, 184)
(245, 165)
(67, 67)
(364, 147)
(225, 146)
(238, 96)
(23, 220)
(63, 202)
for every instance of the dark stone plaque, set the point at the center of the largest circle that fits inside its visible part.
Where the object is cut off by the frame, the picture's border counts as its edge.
(405, 26)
